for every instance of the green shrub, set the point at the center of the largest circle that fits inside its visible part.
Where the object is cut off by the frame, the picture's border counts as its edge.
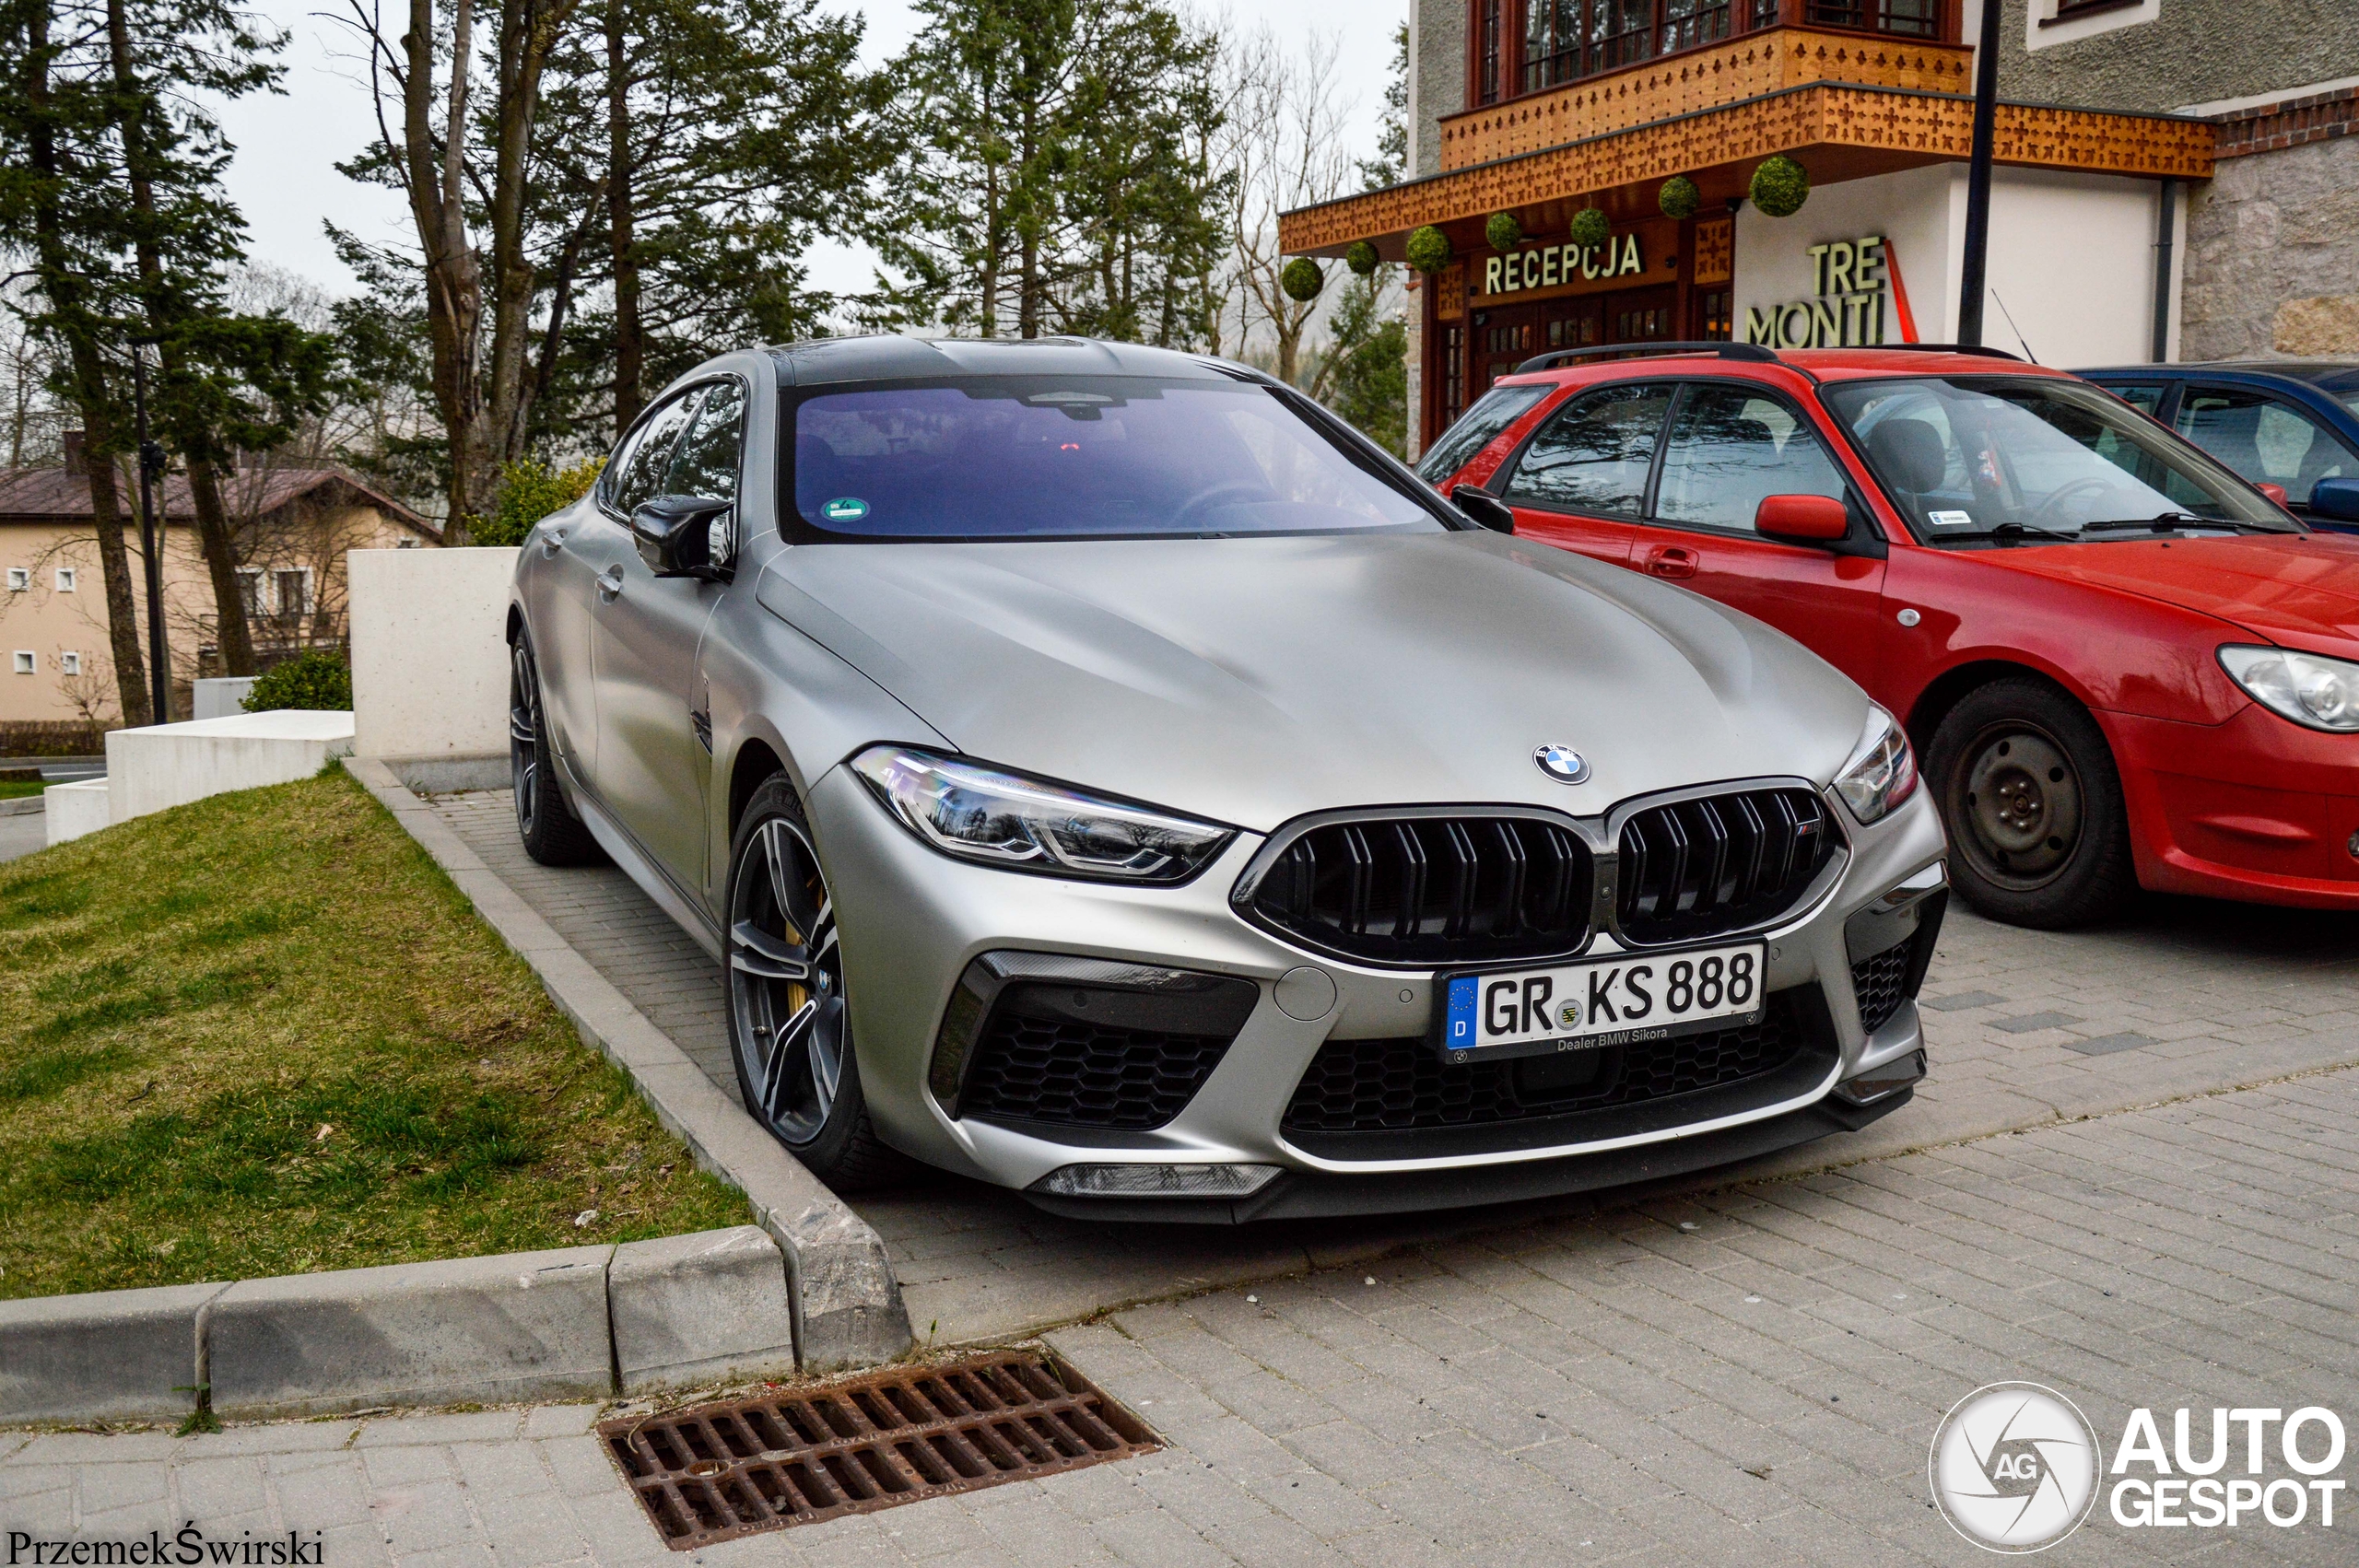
(1362, 258)
(1302, 280)
(1503, 231)
(529, 491)
(1779, 186)
(312, 679)
(1679, 197)
(1590, 228)
(1429, 249)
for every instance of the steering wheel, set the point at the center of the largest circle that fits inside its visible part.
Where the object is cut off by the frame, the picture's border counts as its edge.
(1235, 491)
(2044, 514)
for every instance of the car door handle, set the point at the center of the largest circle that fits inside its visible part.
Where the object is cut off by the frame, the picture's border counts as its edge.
(550, 540)
(1672, 560)
(610, 583)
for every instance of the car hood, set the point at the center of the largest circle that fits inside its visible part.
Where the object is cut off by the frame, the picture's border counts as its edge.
(1252, 680)
(2302, 589)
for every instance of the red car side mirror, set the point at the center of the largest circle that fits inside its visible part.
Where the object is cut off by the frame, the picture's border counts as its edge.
(1817, 520)
(2276, 493)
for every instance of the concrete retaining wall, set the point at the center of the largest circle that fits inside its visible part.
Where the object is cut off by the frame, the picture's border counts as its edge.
(429, 652)
(676, 1313)
(160, 765)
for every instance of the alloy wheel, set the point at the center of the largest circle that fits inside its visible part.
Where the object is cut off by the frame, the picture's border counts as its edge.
(524, 734)
(2019, 802)
(786, 982)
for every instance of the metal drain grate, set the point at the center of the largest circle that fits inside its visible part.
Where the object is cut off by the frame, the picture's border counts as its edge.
(712, 1472)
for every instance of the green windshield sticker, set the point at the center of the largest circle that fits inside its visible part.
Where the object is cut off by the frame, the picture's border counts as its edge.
(845, 508)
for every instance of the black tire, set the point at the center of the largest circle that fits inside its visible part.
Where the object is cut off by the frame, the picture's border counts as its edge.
(790, 1030)
(552, 834)
(2039, 834)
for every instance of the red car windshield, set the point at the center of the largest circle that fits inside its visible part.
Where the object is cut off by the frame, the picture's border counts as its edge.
(1997, 460)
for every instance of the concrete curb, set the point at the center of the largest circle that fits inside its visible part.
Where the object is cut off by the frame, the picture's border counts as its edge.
(24, 805)
(846, 1300)
(578, 1322)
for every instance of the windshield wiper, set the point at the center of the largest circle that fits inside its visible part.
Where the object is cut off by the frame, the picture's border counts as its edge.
(2007, 534)
(2163, 523)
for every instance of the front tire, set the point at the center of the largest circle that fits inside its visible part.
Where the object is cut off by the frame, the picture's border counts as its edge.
(552, 834)
(790, 1028)
(2039, 832)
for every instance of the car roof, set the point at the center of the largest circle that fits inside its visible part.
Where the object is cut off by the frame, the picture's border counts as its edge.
(2316, 373)
(1820, 363)
(894, 358)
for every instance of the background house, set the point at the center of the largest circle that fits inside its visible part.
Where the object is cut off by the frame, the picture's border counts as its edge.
(293, 526)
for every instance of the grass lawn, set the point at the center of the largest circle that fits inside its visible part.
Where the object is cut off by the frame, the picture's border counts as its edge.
(264, 1034)
(9, 792)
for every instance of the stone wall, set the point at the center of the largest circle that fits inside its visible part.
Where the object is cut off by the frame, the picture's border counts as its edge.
(2271, 264)
(1438, 75)
(2192, 52)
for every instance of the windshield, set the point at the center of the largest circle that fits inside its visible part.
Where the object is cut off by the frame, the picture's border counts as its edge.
(1986, 461)
(1083, 457)
(1477, 428)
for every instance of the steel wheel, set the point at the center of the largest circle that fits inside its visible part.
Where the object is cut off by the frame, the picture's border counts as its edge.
(2020, 805)
(786, 983)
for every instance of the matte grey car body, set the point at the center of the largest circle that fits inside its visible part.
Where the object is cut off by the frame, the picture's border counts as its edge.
(1265, 684)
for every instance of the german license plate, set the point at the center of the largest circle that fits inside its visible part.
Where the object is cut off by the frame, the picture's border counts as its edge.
(1629, 998)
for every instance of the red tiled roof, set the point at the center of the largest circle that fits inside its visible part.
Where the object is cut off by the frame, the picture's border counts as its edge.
(62, 495)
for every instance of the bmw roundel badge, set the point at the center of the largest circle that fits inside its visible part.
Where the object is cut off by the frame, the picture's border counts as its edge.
(1563, 763)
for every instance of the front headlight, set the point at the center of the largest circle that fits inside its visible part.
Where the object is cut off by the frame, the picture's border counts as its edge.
(1882, 772)
(1003, 819)
(2314, 690)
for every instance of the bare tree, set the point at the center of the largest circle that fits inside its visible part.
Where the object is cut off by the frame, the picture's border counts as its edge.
(1284, 139)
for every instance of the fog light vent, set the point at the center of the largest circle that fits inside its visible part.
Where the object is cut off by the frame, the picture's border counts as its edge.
(1156, 1181)
(1882, 1083)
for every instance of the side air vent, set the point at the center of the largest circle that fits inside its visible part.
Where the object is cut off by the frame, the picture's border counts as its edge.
(1695, 868)
(1428, 891)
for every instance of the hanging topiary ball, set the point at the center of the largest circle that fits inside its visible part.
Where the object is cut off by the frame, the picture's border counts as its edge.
(1429, 249)
(1503, 231)
(1589, 226)
(1362, 258)
(1679, 197)
(1779, 186)
(1302, 279)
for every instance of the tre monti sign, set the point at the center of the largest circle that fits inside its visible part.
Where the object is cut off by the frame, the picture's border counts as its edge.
(1552, 266)
(1846, 307)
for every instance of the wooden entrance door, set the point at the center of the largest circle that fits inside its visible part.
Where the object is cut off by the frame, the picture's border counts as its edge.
(1505, 337)
(1643, 315)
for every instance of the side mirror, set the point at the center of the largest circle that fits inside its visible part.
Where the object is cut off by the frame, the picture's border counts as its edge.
(2276, 493)
(1809, 519)
(1483, 507)
(687, 536)
(2336, 499)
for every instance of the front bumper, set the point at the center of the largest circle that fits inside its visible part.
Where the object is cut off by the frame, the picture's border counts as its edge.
(913, 921)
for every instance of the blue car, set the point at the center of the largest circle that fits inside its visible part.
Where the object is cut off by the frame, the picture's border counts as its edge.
(2287, 426)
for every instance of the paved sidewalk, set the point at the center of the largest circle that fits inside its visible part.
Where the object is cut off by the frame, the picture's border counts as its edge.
(2025, 1027)
(1750, 1375)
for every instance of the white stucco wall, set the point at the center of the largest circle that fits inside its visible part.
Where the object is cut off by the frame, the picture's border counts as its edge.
(429, 652)
(2071, 257)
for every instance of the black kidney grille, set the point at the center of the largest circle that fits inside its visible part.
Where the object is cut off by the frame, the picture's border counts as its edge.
(1433, 890)
(1880, 983)
(1403, 1084)
(1085, 1074)
(1697, 868)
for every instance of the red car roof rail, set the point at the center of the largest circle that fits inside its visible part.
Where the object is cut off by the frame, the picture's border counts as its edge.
(1557, 358)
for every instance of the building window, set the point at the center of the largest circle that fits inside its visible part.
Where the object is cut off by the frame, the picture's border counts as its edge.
(1453, 373)
(1488, 46)
(69, 663)
(26, 662)
(1634, 326)
(19, 579)
(65, 579)
(1909, 18)
(1719, 315)
(293, 593)
(252, 590)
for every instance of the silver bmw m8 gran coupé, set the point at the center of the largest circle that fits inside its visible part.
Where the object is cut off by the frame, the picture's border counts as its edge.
(1102, 773)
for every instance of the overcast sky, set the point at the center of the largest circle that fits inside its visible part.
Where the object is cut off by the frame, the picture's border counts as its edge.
(283, 176)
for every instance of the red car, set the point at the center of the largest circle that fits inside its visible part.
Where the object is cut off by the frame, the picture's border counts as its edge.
(2123, 665)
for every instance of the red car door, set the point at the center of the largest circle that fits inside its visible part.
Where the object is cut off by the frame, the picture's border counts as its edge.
(1580, 481)
(1730, 444)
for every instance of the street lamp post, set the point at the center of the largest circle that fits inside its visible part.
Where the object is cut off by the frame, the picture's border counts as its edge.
(1972, 268)
(151, 544)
